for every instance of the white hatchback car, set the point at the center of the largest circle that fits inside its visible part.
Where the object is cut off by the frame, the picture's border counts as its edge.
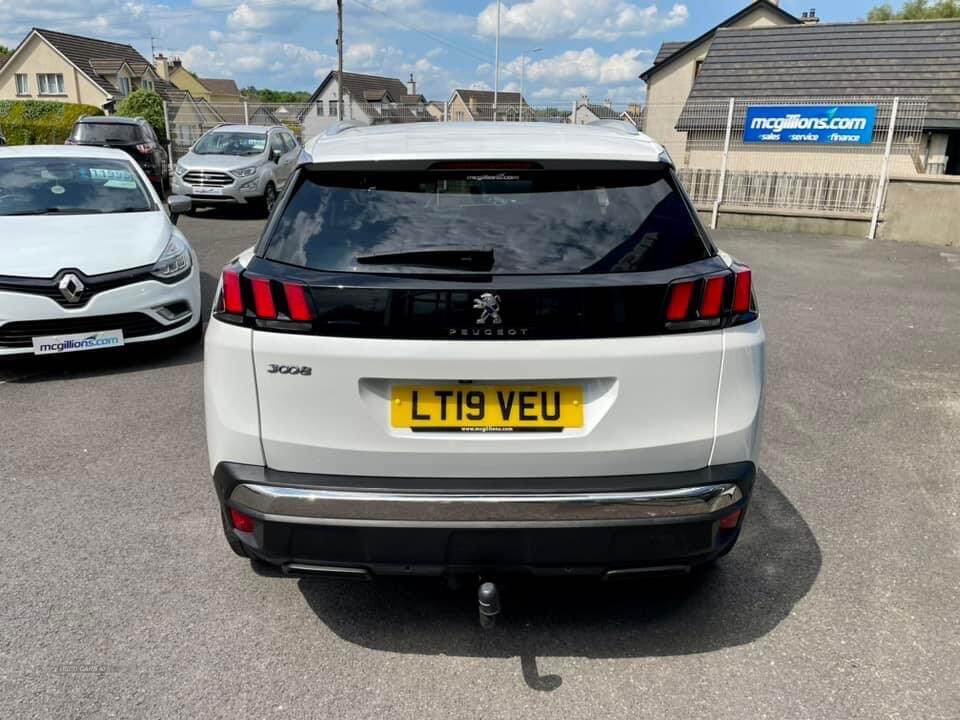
(484, 348)
(89, 258)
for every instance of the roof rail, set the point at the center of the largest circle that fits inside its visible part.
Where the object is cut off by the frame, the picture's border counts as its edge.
(623, 126)
(342, 126)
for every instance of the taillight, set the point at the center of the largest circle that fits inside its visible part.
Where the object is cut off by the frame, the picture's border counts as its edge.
(712, 304)
(275, 305)
(263, 303)
(297, 304)
(678, 307)
(146, 148)
(232, 294)
(743, 278)
(711, 301)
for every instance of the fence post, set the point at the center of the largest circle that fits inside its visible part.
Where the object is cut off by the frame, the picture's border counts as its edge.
(723, 167)
(166, 126)
(246, 113)
(573, 113)
(446, 109)
(884, 171)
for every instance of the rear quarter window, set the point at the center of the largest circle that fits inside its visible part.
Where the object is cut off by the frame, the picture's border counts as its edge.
(534, 221)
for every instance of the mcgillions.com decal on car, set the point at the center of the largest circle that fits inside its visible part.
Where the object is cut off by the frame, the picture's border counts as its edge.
(56, 344)
(829, 124)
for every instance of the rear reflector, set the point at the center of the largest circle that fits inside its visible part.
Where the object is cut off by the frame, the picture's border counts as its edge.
(297, 302)
(242, 522)
(741, 289)
(263, 299)
(232, 297)
(729, 522)
(679, 304)
(712, 304)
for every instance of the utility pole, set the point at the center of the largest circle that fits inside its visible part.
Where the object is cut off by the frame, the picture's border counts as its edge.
(339, 59)
(496, 74)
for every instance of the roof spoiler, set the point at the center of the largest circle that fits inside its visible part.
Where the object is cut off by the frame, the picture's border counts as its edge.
(624, 126)
(342, 126)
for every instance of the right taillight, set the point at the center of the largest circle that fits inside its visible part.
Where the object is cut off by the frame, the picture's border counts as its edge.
(710, 301)
(262, 302)
(742, 280)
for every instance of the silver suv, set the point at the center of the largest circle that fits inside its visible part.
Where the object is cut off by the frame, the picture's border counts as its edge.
(238, 164)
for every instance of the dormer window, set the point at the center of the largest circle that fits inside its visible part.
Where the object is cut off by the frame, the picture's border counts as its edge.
(124, 85)
(148, 84)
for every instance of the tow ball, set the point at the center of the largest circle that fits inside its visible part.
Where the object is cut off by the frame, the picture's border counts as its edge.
(488, 603)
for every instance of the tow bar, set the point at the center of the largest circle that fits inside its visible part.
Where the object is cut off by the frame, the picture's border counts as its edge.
(488, 599)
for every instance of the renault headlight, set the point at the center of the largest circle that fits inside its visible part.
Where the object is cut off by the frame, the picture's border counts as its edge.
(175, 260)
(245, 172)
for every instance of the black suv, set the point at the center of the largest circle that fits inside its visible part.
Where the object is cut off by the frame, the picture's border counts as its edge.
(131, 134)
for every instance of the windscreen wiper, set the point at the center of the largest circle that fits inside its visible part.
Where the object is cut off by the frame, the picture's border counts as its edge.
(447, 258)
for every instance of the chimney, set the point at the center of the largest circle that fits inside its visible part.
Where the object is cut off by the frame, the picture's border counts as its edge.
(413, 85)
(162, 66)
(472, 103)
(810, 18)
(177, 62)
(608, 103)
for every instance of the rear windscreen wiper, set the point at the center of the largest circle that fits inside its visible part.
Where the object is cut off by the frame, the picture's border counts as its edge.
(452, 258)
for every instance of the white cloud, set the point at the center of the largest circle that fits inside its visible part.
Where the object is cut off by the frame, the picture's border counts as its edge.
(605, 20)
(586, 64)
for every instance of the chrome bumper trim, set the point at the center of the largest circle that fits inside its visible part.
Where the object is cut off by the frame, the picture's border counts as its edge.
(335, 507)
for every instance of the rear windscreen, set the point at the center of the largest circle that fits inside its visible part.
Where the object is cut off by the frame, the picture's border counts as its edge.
(106, 132)
(530, 221)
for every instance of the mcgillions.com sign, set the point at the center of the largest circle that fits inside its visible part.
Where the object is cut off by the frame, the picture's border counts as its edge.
(830, 124)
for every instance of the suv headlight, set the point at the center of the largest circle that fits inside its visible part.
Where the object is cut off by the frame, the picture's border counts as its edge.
(245, 172)
(180, 170)
(175, 260)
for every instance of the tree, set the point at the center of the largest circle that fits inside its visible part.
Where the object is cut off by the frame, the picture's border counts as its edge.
(916, 10)
(145, 104)
(4, 50)
(265, 95)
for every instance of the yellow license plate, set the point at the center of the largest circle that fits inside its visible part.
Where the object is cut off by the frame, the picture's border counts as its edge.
(486, 408)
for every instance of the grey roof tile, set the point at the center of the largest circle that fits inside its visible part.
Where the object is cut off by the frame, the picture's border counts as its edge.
(906, 59)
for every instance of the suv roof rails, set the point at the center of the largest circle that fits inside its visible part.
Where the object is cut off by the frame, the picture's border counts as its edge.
(344, 125)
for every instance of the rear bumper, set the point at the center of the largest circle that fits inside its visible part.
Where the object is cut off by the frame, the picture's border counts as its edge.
(544, 526)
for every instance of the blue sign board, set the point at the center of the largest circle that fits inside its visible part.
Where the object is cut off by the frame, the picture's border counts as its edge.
(816, 124)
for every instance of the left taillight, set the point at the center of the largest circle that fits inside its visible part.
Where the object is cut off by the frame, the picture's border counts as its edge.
(262, 302)
(146, 148)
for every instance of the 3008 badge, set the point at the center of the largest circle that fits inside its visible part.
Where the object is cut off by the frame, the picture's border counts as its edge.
(303, 370)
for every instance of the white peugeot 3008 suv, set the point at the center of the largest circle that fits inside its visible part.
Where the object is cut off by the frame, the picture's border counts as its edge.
(475, 348)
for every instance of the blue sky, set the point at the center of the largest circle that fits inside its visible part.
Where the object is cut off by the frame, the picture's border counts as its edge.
(593, 47)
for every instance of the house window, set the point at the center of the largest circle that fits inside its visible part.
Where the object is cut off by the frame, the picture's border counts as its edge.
(50, 83)
(148, 84)
(320, 108)
(23, 84)
(125, 85)
(333, 108)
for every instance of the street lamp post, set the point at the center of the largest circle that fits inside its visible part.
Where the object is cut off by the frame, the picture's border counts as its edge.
(522, 62)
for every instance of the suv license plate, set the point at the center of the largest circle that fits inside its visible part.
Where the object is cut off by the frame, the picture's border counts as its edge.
(207, 190)
(58, 344)
(486, 408)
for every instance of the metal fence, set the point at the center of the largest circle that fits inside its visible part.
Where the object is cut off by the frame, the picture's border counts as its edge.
(705, 140)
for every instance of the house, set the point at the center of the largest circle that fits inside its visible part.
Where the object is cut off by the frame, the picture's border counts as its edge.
(468, 105)
(677, 64)
(59, 66)
(216, 91)
(587, 112)
(371, 99)
(837, 61)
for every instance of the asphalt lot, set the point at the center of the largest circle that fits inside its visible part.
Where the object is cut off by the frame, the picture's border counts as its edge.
(120, 598)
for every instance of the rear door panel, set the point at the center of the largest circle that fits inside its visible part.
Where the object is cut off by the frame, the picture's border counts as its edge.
(650, 405)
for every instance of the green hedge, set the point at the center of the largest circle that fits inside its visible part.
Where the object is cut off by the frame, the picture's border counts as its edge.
(40, 122)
